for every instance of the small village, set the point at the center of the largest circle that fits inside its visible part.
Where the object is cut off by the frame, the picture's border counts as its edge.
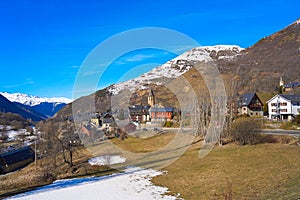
(282, 107)
(152, 117)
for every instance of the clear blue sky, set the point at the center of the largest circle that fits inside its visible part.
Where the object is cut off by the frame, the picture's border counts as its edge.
(43, 42)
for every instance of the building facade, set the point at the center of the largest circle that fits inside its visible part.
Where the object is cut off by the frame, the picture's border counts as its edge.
(161, 113)
(283, 107)
(250, 104)
(139, 113)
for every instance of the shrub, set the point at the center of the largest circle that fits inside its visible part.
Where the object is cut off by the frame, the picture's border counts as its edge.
(246, 131)
(296, 120)
(168, 124)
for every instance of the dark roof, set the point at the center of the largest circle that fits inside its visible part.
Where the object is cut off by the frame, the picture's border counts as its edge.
(246, 99)
(291, 97)
(138, 108)
(17, 155)
(162, 109)
(292, 85)
(107, 120)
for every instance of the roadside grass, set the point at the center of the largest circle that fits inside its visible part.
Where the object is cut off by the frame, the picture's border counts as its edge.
(289, 126)
(264, 171)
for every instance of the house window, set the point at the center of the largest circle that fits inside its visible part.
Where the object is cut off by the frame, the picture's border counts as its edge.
(273, 104)
(283, 110)
(274, 110)
(283, 104)
(244, 108)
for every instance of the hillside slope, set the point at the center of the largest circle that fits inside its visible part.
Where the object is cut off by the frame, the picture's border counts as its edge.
(255, 69)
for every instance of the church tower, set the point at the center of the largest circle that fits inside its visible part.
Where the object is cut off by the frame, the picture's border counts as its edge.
(281, 83)
(151, 98)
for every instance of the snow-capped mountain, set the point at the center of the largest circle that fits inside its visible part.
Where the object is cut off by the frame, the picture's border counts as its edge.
(33, 100)
(180, 65)
(45, 107)
(25, 111)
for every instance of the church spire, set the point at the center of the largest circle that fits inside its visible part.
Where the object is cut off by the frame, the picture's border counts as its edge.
(151, 98)
(281, 83)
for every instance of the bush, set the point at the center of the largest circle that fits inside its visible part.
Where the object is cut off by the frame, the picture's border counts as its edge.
(296, 120)
(168, 124)
(246, 131)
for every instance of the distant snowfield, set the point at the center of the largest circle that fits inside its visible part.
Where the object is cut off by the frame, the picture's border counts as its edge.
(133, 184)
(33, 100)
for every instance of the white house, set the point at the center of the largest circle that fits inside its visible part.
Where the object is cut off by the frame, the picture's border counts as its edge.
(284, 107)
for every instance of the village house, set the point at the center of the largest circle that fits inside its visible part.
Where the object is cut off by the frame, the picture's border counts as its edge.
(250, 104)
(102, 121)
(139, 113)
(284, 106)
(151, 112)
(291, 86)
(161, 113)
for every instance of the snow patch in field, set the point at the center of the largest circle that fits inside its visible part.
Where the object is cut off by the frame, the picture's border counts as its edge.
(107, 160)
(133, 184)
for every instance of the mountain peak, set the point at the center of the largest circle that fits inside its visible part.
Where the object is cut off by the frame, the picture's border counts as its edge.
(297, 22)
(31, 100)
(179, 65)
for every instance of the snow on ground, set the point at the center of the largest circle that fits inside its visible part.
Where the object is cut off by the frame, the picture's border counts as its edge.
(107, 160)
(178, 66)
(133, 184)
(13, 134)
(33, 100)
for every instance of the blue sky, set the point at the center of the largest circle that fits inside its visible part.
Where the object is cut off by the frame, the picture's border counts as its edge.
(43, 43)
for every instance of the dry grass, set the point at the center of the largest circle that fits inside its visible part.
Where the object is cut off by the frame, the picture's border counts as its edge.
(31, 176)
(144, 145)
(266, 171)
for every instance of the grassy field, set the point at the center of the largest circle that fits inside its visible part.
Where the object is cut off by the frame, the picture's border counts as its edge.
(264, 171)
(144, 145)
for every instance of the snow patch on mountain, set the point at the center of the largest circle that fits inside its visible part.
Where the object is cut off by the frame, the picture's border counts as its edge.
(31, 100)
(179, 65)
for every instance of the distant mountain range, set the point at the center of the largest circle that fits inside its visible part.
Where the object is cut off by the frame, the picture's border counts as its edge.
(254, 69)
(32, 107)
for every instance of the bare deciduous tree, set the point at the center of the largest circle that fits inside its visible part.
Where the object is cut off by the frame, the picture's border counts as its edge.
(246, 131)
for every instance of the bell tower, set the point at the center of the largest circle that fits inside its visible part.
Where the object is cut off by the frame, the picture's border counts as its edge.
(151, 98)
(281, 83)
